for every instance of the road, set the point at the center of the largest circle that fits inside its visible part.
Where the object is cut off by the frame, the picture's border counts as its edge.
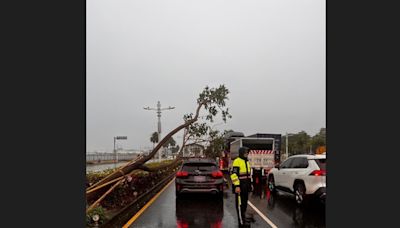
(283, 211)
(205, 211)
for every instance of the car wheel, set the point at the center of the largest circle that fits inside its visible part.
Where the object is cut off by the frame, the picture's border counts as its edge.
(300, 193)
(271, 184)
(220, 195)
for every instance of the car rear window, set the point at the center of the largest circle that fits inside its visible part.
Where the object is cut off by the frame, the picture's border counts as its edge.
(190, 167)
(321, 163)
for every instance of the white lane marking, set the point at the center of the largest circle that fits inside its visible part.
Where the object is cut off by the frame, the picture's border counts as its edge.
(262, 215)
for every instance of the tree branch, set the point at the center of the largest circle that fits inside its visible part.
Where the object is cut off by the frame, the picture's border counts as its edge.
(148, 169)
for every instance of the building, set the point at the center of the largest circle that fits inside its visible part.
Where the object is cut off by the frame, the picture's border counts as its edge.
(193, 150)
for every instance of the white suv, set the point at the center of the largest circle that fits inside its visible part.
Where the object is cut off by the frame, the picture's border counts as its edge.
(302, 175)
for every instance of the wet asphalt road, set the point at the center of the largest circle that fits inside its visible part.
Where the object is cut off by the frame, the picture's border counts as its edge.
(282, 210)
(203, 210)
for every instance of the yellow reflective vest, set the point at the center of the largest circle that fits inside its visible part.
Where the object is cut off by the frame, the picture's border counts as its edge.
(239, 171)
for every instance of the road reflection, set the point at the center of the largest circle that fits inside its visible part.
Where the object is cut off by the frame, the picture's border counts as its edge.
(198, 210)
(310, 215)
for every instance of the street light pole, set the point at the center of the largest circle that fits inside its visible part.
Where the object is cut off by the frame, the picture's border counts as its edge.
(287, 145)
(159, 109)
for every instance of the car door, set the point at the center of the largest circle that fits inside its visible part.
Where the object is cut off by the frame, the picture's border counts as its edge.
(297, 170)
(280, 175)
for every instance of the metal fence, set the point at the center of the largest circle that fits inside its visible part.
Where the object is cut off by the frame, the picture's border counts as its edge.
(110, 156)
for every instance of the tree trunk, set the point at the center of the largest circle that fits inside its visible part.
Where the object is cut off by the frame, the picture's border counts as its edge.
(140, 163)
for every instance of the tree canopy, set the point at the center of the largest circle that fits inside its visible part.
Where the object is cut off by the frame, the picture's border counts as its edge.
(302, 143)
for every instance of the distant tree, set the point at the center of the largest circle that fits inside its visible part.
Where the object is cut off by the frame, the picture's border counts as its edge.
(154, 138)
(302, 143)
(319, 139)
(216, 144)
(175, 149)
(299, 143)
(170, 143)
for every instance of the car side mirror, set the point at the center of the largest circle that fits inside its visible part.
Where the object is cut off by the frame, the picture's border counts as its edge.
(277, 166)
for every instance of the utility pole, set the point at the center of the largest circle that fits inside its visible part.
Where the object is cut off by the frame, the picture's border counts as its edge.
(158, 110)
(287, 145)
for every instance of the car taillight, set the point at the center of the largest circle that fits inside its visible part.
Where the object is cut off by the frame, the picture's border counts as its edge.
(217, 224)
(181, 224)
(182, 174)
(320, 172)
(217, 174)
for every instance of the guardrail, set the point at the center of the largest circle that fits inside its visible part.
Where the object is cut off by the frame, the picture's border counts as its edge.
(122, 216)
(109, 157)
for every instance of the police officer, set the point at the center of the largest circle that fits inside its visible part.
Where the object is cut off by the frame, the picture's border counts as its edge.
(241, 181)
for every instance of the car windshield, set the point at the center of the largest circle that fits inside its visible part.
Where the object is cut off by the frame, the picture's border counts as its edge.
(191, 167)
(321, 163)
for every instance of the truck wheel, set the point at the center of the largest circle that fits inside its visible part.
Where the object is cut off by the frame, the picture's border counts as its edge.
(271, 184)
(300, 193)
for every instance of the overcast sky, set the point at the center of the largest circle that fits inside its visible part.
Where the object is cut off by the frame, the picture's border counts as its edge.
(269, 54)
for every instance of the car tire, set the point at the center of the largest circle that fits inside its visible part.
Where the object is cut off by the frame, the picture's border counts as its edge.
(300, 194)
(271, 184)
(220, 195)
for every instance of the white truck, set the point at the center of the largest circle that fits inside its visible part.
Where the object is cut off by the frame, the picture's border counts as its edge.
(264, 154)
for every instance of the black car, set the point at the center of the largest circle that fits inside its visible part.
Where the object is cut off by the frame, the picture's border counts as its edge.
(200, 175)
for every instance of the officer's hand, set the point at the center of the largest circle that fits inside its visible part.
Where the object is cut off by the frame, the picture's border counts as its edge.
(237, 189)
(252, 188)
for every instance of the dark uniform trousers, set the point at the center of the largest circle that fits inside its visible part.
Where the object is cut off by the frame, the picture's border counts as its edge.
(245, 188)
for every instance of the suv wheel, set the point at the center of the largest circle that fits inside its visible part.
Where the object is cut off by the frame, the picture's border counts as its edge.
(300, 193)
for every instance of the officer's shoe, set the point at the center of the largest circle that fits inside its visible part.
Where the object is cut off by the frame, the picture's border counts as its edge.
(245, 225)
(250, 219)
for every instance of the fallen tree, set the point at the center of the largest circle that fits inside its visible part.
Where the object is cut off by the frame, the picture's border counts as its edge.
(133, 193)
(212, 100)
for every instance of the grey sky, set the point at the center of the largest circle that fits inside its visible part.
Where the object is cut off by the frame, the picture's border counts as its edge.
(269, 54)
